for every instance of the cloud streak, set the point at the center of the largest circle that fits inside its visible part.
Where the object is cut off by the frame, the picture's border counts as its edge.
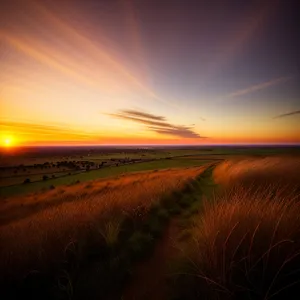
(179, 131)
(296, 112)
(156, 124)
(258, 87)
(140, 114)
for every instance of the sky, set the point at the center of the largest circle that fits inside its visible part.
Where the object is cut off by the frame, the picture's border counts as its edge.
(148, 72)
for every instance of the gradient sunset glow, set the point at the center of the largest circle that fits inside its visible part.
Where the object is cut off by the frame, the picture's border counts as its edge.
(147, 72)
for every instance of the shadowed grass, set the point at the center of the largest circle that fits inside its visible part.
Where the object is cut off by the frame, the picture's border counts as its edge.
(243, 245)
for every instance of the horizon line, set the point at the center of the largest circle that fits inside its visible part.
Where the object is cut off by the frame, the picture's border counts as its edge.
(161, 145)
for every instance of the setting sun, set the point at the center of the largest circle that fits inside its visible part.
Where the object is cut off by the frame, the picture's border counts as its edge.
(8, 141)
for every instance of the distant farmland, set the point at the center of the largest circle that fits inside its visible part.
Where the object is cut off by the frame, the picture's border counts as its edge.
(102, 173)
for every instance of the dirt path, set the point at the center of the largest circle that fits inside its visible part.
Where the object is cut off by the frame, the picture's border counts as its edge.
(148, 281)
(149, 277)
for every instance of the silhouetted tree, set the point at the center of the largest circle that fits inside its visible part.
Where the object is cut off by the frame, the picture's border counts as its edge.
(27, 180)
(45, 177)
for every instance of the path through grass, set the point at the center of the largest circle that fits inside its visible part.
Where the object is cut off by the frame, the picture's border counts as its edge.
(149, 276)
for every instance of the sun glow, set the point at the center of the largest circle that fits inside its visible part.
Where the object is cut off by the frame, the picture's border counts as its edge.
(8, 141)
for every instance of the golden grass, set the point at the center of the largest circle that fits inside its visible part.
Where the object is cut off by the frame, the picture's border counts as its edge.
(38, 228)
(246, 242)
(279, 171)
(245, 245)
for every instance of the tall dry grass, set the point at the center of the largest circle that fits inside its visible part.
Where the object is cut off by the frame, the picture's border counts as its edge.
(281, 171)
(40, 229)
(246, 241)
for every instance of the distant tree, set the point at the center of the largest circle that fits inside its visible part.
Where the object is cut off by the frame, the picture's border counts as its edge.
(87, 168)
(27, 180)
(53, 176)
(45, 177)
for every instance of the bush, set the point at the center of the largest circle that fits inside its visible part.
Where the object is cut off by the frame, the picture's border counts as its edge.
(45, 177)
(27, 180)
(140, 244)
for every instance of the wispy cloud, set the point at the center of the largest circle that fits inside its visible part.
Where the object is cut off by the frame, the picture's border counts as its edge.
(180, 131)
(149, 122)
(258, 87)
(136, 113)
(296, 112)
(156, 123)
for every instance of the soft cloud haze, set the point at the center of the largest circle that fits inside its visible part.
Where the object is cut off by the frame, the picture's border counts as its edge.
(141, 72)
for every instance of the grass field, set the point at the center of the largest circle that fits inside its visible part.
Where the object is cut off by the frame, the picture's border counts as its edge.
(162, 158)
(41, 231)
(212, 226)
(101, 173)
(245, 241)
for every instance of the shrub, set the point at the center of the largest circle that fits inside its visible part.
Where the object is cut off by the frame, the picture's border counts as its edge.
(27, 180)
(140, 244)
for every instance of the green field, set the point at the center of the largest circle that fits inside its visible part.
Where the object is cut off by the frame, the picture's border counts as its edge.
(180, 158)
(101, 173)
